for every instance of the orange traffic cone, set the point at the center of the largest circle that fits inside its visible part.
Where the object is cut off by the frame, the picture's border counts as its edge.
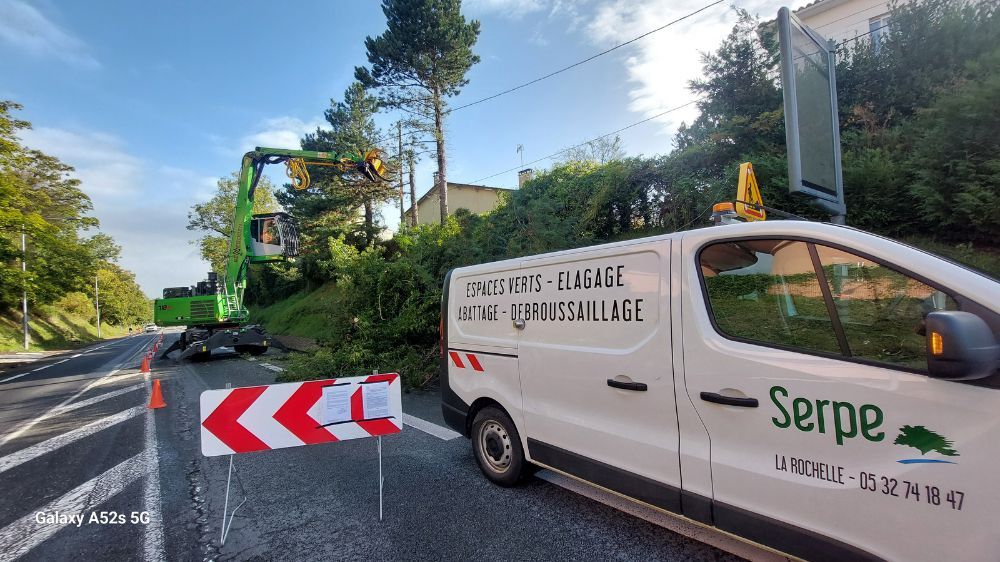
(156, 398)
(145, 364)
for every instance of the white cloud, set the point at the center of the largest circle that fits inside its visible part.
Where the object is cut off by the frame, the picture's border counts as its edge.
(180, 180)
(25, 27)
(101, 163)
(569, 11)
(509, 8)
(143, 206)
(279, 132)
(660, 65)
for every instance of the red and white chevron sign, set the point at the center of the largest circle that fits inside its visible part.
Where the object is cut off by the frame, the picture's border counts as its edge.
(260, 418)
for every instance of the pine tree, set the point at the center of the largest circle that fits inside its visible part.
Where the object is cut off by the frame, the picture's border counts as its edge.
(352, 128)
(420, 60)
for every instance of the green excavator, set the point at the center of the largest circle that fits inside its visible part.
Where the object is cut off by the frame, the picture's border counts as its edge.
(213, 309)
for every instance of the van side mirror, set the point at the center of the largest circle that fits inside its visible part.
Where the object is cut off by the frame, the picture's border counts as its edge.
(960, 346)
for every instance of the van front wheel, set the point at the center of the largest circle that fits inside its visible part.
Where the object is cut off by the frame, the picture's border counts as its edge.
(498, 446)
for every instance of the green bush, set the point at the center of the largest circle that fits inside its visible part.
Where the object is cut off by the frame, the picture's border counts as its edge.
(79, 305)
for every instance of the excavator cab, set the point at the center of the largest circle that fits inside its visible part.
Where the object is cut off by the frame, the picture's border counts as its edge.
(273, 237)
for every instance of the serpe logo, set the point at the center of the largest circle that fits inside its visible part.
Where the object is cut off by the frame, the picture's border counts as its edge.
(847, 421)
(925, 441)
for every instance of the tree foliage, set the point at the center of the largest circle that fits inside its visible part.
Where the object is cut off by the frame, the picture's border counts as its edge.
(601, 151)
(956, 155)
(352, 127)
(214, 218)
(122, 302)
(40, 198)
(419, 61)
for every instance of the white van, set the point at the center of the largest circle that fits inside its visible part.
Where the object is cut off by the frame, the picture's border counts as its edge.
(823, 391)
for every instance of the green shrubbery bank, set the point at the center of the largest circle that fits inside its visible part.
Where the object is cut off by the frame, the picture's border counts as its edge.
(920, 164)
(70, 322)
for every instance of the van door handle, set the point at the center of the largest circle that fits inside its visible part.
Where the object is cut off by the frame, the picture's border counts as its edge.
(729, 400)
(640, 386)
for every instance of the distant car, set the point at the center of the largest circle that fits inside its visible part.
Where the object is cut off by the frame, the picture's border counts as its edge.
(151, 328)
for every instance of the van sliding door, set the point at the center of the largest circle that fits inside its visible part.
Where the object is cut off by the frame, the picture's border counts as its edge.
(595, 367)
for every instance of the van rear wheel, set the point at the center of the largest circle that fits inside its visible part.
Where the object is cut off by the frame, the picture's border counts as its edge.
(497, 446)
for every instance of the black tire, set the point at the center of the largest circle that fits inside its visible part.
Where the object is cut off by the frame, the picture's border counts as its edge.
(497, 446)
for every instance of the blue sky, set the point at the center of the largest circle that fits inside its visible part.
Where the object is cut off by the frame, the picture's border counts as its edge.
(153, 102)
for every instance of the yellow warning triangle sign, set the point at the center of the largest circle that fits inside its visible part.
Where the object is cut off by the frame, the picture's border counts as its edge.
(749, 203)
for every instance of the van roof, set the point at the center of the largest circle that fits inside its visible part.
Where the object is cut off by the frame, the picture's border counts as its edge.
(802, 228)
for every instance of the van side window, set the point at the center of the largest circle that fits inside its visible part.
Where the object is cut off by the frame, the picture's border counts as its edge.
(803, 295)
(882, 310)
(768, 291)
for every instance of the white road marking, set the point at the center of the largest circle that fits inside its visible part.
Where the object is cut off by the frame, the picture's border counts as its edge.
(274, 368)
(53, 411)
(430, 428)
(106, 378)
(22, 456)
(678, 525)
(90, 401)
(152, 539)
(24, 534)
(15, 377)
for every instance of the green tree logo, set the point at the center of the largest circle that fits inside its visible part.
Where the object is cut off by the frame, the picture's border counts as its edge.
(924, 440)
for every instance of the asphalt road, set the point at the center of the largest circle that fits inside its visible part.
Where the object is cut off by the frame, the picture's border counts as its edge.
(77, 439)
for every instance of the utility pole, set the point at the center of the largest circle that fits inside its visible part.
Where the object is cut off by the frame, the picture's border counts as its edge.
(413, 187)
(402, 206)
(24, 281)
(97, 302)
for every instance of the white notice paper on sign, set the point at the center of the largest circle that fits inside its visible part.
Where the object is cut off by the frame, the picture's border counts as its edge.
(375, 397)
(337, 403)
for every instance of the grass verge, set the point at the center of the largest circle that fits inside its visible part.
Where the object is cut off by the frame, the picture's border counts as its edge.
(51, 329)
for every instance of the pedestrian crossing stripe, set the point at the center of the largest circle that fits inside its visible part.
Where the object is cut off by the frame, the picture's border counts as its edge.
(749, 203)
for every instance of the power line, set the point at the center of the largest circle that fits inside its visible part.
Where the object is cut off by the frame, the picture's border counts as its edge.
(554, 154)
(588, 59)
(564, 69)
(856, 37)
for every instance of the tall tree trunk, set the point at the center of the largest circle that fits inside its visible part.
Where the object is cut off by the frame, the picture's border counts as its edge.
(369, 223)
(442, 160)
(413, 189)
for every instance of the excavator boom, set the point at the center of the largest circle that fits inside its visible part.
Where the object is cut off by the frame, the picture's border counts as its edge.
(213, 309)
